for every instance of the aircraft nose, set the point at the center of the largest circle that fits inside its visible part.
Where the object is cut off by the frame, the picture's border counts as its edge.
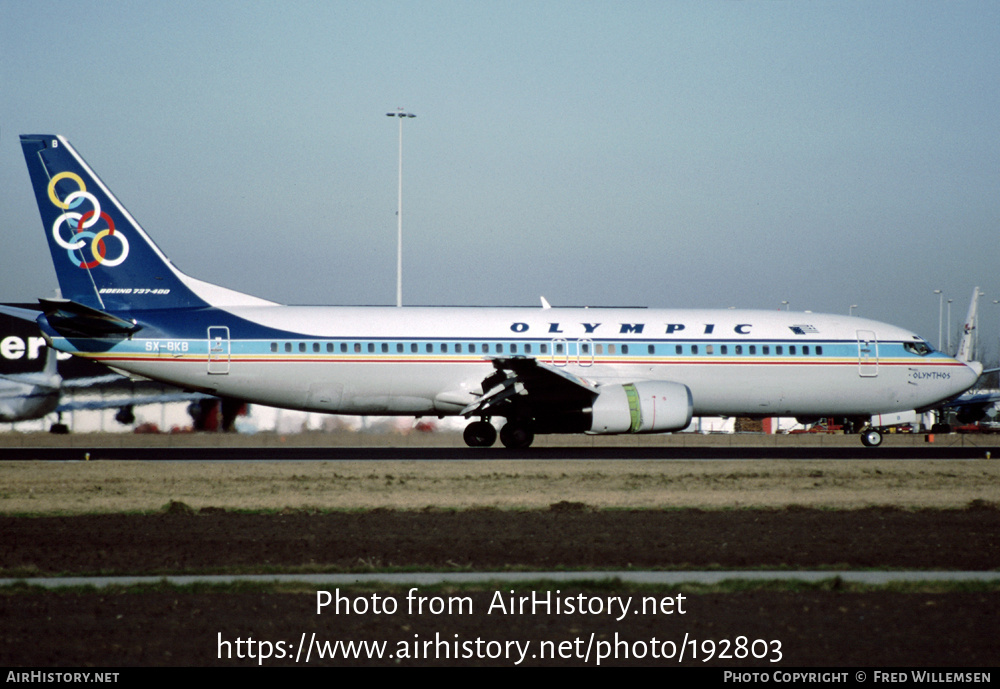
(970, 374)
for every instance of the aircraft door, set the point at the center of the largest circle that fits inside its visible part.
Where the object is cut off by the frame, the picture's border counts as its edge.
(867, 354)
(218, 350)
(585, 355)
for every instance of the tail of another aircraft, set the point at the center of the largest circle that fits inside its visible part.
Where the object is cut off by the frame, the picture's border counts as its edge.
(965, 345)
(103, 258)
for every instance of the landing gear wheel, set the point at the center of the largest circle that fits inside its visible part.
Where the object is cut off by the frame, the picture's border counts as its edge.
(871, 437)
(480, 434)
(516, 436)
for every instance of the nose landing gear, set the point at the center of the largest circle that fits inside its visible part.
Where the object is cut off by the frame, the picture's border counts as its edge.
(871, 437)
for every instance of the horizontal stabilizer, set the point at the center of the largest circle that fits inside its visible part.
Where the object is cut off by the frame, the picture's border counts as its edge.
(72, 319)
(20, 313)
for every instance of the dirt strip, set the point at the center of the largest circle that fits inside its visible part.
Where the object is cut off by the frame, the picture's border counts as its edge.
(109, 486)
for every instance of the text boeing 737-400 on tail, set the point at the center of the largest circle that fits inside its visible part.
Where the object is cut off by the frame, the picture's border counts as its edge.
(542, 370)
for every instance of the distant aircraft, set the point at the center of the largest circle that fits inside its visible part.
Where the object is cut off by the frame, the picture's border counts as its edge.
(26, 396)
(29, 396)
(27, 393)
(543, 370)
(978, 405)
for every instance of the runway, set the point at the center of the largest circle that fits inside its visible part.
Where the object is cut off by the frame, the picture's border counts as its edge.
(242, 452)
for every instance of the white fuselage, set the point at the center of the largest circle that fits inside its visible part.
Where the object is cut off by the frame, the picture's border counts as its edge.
(433, 361)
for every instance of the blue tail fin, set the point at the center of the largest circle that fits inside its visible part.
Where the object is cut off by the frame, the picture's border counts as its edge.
(103, 258)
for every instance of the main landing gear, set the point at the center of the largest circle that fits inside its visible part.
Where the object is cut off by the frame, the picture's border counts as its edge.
(480, 434)
(514, 435)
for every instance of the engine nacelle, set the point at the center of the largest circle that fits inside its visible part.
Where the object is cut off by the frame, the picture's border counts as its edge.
(649, 406)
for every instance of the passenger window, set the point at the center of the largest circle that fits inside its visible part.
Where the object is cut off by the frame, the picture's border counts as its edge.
(779, 350)
(385, 347)
(724, 349)
(805, 350)
(499, 348)
(559, 348)
(611, 349)
(543, 348)
(357, 347)
(288, 346)
(399, 347)
(371, 347)
(513, 349)
(753, 349)
(679, 349)
(316, 347)
(709, 349)
(739, 349)
(791, 349)
(598, 349)
(458, 348)
(444, 347)
(343, 347)
(819, 350)
(624, 349)
(329, 347)
(486, 349)
(694, 349)
(274, 346)
(585, 348)
(765, 349)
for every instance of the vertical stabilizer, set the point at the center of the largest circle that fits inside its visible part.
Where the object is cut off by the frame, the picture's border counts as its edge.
(965, 352)
(103, 258)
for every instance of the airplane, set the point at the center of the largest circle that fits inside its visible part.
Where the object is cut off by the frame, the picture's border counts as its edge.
(25, 396)
(34, 394)
(541, 370)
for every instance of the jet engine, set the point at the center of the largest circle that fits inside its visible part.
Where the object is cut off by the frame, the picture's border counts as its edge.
(649, 406)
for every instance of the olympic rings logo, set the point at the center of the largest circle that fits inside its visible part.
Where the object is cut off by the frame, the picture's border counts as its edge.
(84, 228)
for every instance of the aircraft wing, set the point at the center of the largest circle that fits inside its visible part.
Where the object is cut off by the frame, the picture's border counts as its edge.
(133, 401)
(73, 383)
(544, 383)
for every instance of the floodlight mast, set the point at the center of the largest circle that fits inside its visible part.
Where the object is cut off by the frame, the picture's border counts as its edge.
(400, 115)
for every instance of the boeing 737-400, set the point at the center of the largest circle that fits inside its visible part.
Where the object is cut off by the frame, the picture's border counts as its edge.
(543, 370)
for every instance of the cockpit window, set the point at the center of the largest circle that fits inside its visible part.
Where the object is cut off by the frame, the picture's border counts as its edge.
(920, 348)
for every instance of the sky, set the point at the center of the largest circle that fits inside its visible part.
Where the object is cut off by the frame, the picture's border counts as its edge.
(663, 154)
